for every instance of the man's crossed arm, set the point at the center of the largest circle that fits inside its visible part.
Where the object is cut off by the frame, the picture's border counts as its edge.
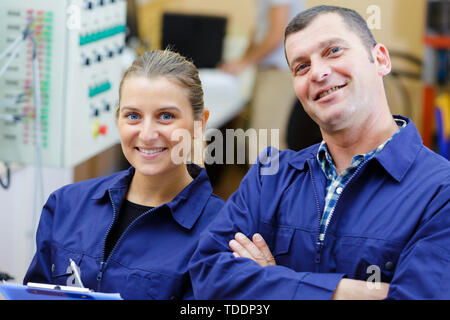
(347, 289)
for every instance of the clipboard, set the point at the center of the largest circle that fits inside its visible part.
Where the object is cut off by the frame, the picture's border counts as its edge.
(40, 291)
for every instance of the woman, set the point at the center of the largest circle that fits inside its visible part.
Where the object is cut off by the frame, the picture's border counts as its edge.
(134, 232)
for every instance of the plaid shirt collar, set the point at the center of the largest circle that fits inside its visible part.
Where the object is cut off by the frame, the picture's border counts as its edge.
(327, 164)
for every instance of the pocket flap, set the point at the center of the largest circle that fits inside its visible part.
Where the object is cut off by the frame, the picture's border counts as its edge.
(278, 238)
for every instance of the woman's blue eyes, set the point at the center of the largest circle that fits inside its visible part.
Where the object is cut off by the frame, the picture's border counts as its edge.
(132, 116)
(165, 116)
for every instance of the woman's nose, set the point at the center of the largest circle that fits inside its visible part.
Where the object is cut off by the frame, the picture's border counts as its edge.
(149, 131)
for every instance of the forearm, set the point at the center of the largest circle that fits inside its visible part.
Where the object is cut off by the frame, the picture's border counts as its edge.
(217, 274)
(349, 289)
(257, 52)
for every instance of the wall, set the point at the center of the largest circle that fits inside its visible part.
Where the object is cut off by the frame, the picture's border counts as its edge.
(17, 244)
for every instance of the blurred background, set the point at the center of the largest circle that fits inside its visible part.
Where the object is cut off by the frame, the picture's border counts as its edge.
(81, 48)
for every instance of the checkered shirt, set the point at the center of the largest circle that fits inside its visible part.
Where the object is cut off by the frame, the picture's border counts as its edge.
(336, 183)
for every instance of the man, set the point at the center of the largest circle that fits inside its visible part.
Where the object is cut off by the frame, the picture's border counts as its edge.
(363, 215)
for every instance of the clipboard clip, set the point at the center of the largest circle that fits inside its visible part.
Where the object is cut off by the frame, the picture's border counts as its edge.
(56, 287)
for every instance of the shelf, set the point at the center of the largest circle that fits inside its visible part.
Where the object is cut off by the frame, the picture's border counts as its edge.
(437, 41)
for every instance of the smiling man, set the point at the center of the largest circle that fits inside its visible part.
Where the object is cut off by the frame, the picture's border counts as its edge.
(368, 204)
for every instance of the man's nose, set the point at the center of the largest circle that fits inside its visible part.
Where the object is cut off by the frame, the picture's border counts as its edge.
(320, 71)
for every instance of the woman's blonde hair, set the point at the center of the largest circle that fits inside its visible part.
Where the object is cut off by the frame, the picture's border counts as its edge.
(170, 65)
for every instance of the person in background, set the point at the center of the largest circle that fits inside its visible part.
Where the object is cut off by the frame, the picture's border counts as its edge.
(273, 87)
(364, 214)
(133, 232)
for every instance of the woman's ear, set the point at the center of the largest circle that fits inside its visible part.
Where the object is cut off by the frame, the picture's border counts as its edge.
(205, 117)
(198, 143)
(382, 59)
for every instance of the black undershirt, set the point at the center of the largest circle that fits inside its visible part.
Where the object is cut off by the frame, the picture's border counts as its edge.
(128, 213)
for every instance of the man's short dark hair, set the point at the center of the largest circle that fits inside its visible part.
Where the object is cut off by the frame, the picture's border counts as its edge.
(352, 19)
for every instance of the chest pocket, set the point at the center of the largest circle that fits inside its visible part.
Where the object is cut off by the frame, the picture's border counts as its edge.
(60, 267)
(368, 259)
(142, 285)
(278, 238)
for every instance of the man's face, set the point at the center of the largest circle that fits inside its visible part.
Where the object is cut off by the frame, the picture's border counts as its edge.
(332, 74)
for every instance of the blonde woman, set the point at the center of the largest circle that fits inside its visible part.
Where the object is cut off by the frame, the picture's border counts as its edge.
(134, 232)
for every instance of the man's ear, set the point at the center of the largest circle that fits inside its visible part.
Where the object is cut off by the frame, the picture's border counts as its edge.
(382, 59)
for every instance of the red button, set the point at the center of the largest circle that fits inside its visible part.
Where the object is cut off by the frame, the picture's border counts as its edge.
(103, 129)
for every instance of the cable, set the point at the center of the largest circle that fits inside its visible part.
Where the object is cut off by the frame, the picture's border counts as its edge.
(15, 47)
(397, 76)
(11, 46)
(13, 55)
(407, 56)
(21, 97)
(5, 185)
(39, 183)
(407, 107)
(5, 277)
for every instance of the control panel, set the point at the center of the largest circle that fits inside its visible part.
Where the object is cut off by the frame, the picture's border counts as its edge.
(78, 45)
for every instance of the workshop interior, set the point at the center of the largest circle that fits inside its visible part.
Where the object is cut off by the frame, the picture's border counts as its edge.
(61, 63)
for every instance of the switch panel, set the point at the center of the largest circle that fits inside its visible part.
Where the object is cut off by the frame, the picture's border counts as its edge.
(79, 47)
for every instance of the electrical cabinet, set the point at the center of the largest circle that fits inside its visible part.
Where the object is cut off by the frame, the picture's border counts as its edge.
(79, 45)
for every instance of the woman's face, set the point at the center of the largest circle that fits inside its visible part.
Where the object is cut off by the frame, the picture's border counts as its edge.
(151, 115)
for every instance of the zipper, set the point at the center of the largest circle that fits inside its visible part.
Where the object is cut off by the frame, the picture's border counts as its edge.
(104, 263)
(319, 243)
(339, 197)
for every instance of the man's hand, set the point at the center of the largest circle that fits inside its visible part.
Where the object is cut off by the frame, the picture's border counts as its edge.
(257, 250)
